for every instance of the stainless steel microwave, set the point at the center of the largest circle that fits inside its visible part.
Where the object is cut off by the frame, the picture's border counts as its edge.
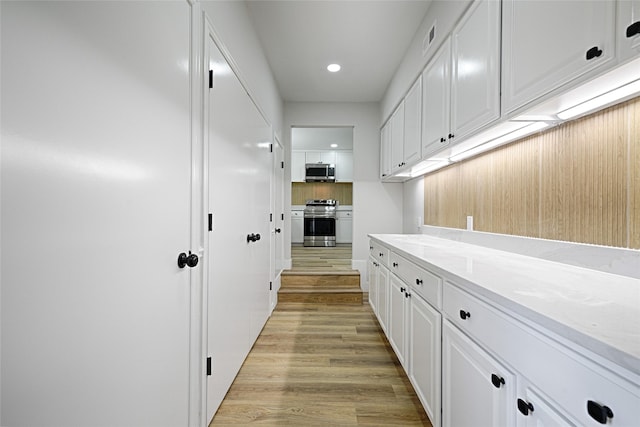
(320, 172)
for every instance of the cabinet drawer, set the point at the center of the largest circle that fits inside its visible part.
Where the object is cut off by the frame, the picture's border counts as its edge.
(422, 282)
(379, 252)
(344, 214)
(569, 379)
(297, 214)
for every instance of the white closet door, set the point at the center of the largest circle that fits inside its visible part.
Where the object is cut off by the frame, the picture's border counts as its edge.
(96, 184)
(240, 168)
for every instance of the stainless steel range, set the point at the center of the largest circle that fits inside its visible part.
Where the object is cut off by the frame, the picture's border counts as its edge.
(320, 223)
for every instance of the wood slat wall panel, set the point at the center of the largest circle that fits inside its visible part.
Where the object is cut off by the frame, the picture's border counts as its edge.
(516, 196)
(476, 189)
(303, 191)
(634, 175)
(577, 182)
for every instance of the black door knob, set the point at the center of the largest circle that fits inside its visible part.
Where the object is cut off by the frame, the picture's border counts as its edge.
(190, 260)
(278, 230)
(464, 314)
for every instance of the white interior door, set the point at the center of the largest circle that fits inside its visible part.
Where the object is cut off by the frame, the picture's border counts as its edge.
(277, 254)
(240, 166)
(96, 170)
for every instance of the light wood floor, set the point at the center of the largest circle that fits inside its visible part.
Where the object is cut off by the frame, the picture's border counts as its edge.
(337, 258)
(321, 365)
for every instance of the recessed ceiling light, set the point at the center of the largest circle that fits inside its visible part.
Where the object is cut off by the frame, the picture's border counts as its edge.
(334, 145)
(333, 67)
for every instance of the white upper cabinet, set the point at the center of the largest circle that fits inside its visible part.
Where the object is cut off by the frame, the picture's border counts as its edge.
(321, 157)
(385, 150)
(344, 166)
(462, 81)
(413, 123)
(628, 29)
(475, 71)
(397, 138)
(436, 101)
(297, 166)
(546, 44)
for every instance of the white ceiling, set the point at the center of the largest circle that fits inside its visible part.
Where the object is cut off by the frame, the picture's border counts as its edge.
(367, 38)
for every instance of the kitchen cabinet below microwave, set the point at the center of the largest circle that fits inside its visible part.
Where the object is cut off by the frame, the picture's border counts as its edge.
(297, 226)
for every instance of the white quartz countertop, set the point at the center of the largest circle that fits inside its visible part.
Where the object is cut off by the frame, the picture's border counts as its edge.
(599, 311)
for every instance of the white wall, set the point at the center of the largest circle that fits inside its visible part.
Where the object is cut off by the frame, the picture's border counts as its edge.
(413, 208)
(377, 207)
(445, 14)
(234, 28)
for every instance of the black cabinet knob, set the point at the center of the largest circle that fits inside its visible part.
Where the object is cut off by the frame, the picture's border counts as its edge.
(401, 289)
(524, 407)
(633, 29)
(464, 314)
(443, 140)
(594, 52)
(496, 380)
(253, 237)
(451, 135)
(407, 294)
(599, 412)
(190, 260)
(381, 254)
(418, 281)
(395, 264)
(278, 230)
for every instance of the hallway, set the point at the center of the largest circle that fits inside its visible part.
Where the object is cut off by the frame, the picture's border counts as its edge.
(317, 364)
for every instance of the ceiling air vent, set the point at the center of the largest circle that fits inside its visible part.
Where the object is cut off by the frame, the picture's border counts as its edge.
(428, 39)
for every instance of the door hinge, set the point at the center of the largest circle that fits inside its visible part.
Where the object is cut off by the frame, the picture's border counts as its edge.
(210, 222)
(282, 165)
(210, 79)
(282, 216)
(270, 217)
(271, 148)
(270, 286)
(208, 366)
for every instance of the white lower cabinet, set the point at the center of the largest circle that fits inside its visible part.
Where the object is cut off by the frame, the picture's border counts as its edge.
(383, 297)
(535, 411)
(424, 344)
(397, 332)
(297, 226)
(372, 278)
(476, 389)
(472, 362)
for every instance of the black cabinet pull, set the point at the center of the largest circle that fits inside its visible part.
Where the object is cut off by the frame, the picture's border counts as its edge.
(464, 314)
(190, 260)
(496, 380)
(395, 264)
(278, 230)
(381, 254)
(599, 412)
(418, 281)
(401, 289)
(524, 407)
(407, 294)
(443, 140)
(633, 29)
(594, 52)
(253, 237)
(451, 135)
